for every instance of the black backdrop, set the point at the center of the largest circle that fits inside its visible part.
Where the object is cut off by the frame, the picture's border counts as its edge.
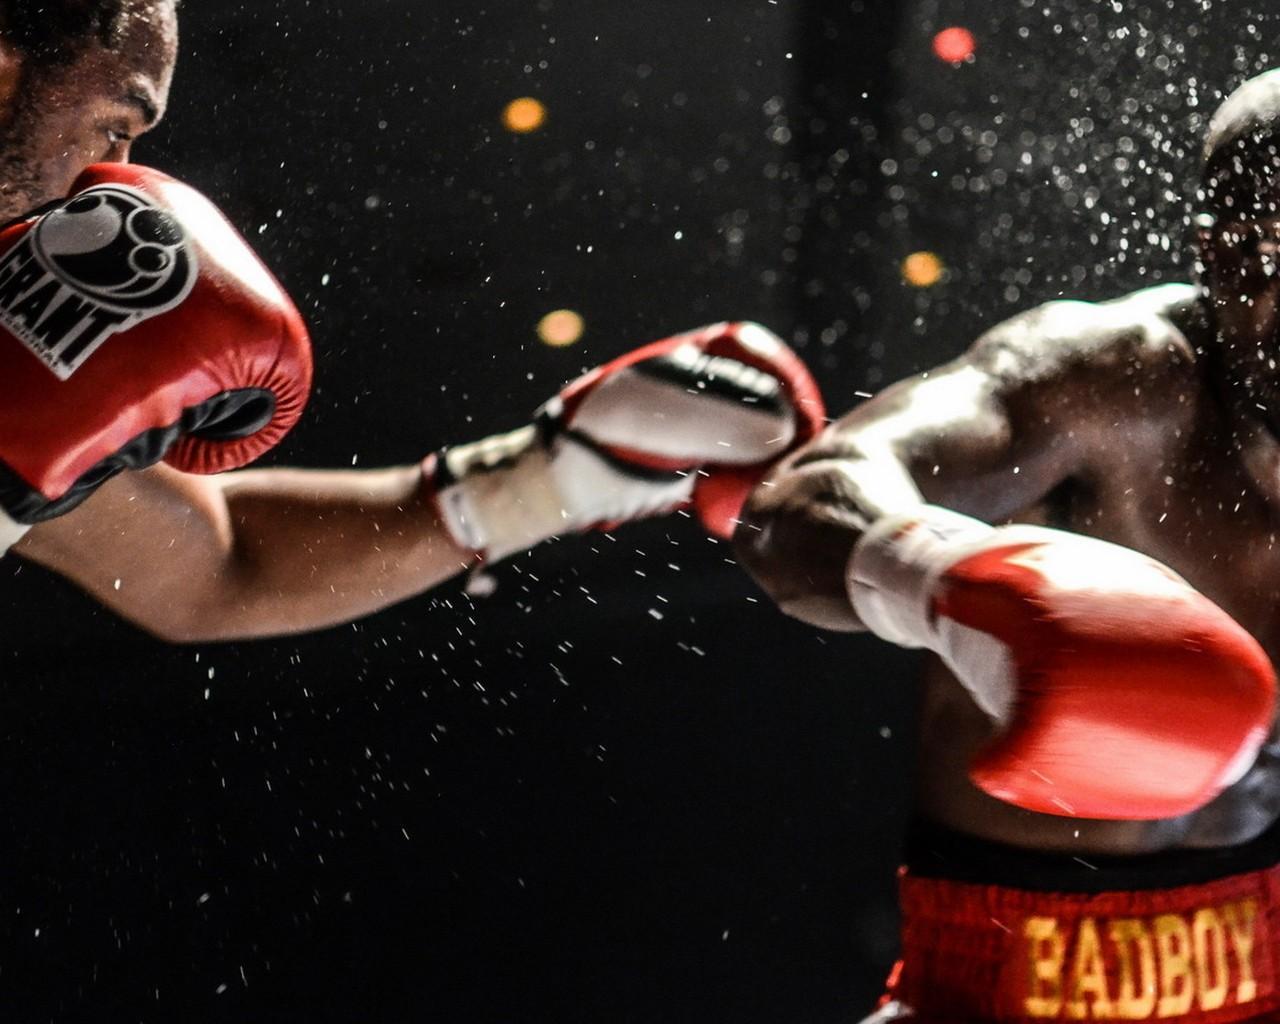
(622, 787)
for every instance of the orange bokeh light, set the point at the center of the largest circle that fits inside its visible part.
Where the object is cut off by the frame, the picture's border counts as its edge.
(524, 115)
(560, 327)
(955, 45)
(922, 269)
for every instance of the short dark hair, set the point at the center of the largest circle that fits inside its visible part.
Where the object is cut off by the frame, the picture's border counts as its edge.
(1241, 175)
(55, 31)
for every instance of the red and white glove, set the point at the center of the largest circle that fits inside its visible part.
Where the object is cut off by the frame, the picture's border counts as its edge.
(696, 419)
(1119, 690)
(135, 325)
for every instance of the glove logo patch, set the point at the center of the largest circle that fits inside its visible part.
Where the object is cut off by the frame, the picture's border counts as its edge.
(92, 267)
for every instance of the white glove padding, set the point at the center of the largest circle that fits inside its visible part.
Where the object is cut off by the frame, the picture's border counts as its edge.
(10, 533)
(637, 437)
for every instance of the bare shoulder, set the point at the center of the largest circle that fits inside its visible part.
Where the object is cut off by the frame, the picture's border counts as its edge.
(1102, 345)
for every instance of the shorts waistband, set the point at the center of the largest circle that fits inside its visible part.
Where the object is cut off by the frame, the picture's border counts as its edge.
(1203, 953)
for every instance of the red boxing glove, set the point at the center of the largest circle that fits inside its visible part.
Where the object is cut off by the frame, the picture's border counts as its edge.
(694, 419)
(1121, 692)
(136, 325)
(704, 360)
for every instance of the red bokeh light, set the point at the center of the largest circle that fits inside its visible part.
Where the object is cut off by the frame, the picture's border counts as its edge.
(954, 45)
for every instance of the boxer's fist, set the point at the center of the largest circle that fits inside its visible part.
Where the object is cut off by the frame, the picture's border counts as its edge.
(135, 325)
(695, 419)
(1118, 689)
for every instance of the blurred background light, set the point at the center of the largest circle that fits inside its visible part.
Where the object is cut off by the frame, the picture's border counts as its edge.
(922, 269)
(954, 45)
(524, 115)
(560, 327)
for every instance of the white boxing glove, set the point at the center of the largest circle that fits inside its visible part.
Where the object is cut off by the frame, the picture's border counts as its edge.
(694, 419)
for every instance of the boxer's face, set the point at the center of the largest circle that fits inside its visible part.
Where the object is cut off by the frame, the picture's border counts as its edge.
(1241, 258)
(56, 121)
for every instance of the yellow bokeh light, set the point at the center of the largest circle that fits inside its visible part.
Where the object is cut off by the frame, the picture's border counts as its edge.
(922, 269)
(560, 327)
(524, 115)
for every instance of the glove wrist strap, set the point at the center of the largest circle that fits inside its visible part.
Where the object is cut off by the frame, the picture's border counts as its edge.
(895, 566)
(497, 496)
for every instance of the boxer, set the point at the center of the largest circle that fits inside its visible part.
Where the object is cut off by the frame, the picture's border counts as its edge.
(1077, 517)
(101, 453)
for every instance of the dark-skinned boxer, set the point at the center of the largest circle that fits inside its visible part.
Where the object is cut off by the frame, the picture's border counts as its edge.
(1078, 517)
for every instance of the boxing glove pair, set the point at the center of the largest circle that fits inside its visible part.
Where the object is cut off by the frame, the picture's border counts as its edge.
(136, 325)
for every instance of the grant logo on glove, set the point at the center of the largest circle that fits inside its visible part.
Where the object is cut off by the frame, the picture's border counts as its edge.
(166, 337)
(695, 419)
(98, 264)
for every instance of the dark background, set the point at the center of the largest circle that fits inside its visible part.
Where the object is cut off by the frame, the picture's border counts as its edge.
(623, 787)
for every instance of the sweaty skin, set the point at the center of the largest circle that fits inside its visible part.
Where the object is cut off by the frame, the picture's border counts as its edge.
(1124, 420)
(1151, 421)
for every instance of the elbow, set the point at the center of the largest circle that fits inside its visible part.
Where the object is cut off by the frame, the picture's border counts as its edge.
(178, 626)
(210, 608)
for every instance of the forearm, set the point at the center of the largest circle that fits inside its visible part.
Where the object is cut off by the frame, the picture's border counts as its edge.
(803, 521)
(313, 548)
(250, 554)
(949, 437)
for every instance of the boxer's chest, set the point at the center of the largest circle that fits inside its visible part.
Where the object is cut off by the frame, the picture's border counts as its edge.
(1199, 507)
(1189, 500)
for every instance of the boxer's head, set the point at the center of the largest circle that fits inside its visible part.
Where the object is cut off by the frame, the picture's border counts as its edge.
(79, 80)
(1240, 234)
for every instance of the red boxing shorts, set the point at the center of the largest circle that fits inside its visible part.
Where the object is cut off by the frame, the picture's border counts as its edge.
(1204, 952)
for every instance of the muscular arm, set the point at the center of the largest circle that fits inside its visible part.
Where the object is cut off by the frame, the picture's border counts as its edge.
(989, 435)
(266, 552)
(252, 553)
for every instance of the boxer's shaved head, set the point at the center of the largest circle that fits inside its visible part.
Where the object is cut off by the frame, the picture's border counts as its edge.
(1242, 152)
